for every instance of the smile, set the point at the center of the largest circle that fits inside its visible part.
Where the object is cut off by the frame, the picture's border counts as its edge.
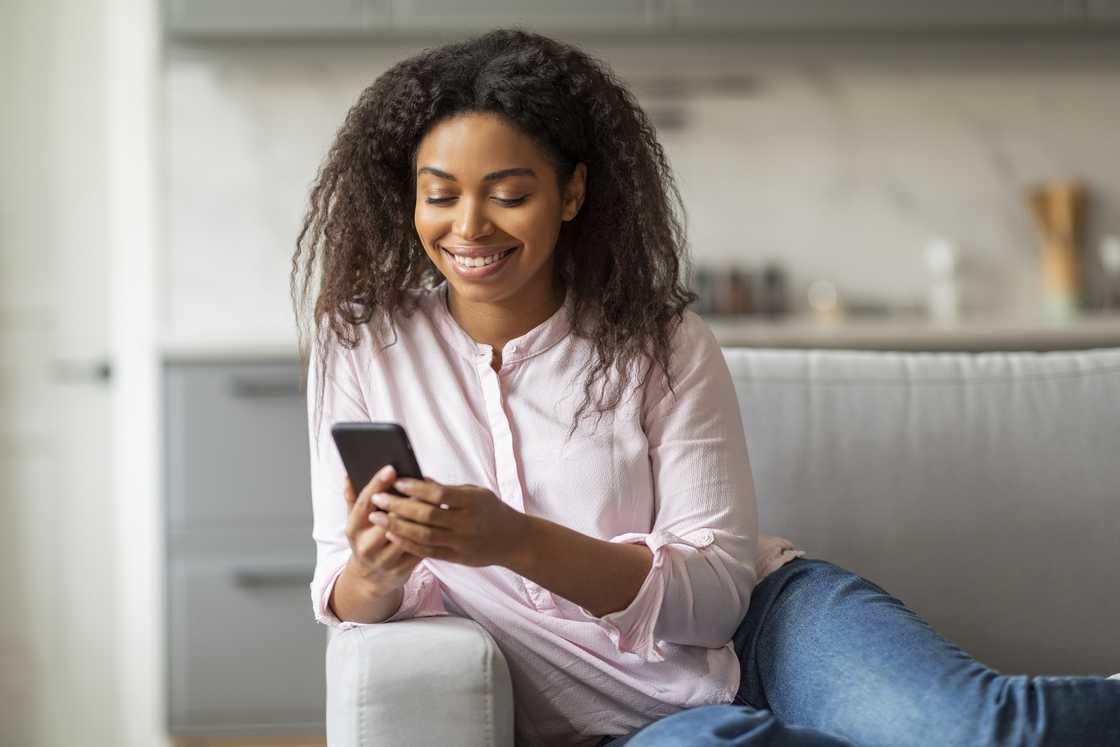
(476, 267)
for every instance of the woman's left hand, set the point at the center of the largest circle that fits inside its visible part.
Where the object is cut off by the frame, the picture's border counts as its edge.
(465, 524)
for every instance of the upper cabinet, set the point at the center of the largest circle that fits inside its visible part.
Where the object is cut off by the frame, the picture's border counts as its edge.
(1104, 11)
(864, 15)
(373, 17)
(454, 15)
(237, 17)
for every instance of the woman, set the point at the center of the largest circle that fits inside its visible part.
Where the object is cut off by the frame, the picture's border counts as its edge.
(495, 231)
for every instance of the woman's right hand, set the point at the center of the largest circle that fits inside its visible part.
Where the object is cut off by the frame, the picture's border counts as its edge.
(383, 564)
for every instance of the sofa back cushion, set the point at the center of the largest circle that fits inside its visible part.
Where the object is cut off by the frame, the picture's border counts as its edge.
(981, 489)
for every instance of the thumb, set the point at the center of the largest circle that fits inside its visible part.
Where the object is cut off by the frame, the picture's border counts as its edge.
(380, 480)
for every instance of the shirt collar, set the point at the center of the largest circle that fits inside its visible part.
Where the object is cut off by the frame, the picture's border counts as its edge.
(537, 340)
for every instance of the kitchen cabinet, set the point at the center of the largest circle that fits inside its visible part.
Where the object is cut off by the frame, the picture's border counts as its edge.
(268, 17)
(779, 15)
(1103, 11)
(617, 15)
(244, 654)
(202, 18)
(232, 422)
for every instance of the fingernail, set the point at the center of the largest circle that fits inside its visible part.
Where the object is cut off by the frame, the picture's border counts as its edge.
(383, 473)
(379, 518)
(381, 500)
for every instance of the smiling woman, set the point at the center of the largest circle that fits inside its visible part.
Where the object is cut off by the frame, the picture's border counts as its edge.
(492, 233)
(496, 231)
(442, 144)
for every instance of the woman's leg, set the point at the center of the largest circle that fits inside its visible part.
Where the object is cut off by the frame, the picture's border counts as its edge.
(725, 726)
(823, 648)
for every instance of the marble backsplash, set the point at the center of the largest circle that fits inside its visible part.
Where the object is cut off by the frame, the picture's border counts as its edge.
(838, 159)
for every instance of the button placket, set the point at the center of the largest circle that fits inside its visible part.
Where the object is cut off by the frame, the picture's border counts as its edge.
(505, 461)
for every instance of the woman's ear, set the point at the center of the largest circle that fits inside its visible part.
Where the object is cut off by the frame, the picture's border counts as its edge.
(574, 191)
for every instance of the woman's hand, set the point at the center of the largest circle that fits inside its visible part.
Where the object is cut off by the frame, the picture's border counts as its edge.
(385, 565)
(465, 524)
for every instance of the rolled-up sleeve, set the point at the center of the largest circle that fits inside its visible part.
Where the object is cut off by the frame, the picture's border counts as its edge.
(342, 400)
(705, 530)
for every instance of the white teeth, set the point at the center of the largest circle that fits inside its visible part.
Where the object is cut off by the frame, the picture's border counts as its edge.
(480, 261)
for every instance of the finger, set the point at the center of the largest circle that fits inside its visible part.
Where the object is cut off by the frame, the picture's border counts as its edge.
(387, 556)
(432, 492)
(416, 510)
(370, 541)
(420, 533)
(380, 481)
(348, 492)
(357, 520)
(426, 551)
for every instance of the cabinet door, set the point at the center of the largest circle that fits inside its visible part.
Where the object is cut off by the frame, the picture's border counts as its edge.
(271, 16)
(245, 654)
(1104, 11)
(236, 446)
(872, 14)
(476, 15)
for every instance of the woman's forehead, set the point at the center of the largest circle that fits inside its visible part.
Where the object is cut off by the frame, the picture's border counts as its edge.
(472, 147)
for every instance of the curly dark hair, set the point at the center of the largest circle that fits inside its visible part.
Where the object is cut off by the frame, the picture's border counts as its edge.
(621, 257)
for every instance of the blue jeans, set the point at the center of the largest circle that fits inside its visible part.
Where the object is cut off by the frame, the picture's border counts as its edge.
(829, 658)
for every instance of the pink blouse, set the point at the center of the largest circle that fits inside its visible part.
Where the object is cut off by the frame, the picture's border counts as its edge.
(670, 472)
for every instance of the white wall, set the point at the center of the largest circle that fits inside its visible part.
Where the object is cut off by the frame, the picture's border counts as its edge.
(844, 161)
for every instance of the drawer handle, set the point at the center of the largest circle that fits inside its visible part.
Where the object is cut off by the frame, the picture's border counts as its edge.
(263, 578)
(257, 389)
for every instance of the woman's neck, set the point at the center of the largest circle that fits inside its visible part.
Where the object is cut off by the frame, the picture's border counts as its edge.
(495, 324)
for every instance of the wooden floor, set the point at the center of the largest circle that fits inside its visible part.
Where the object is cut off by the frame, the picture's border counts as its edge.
(253, 742)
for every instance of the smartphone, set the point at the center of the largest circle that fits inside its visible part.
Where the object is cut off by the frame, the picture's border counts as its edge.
(366, 447)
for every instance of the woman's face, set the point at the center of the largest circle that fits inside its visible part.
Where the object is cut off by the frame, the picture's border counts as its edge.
(484, 189)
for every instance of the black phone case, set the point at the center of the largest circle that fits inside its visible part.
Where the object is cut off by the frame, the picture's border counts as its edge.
(366, 447)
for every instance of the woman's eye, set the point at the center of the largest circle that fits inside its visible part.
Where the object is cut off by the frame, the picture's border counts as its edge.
(506, 201)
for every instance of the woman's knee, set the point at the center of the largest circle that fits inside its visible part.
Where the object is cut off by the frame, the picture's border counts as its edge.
(820, 581)
(815, 572)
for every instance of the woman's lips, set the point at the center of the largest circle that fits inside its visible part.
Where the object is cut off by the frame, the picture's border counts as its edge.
(474, 273)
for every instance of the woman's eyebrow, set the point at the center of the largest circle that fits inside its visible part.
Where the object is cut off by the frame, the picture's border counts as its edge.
(492, 176)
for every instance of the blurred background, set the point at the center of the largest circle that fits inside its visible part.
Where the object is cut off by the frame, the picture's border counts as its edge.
(860, 174)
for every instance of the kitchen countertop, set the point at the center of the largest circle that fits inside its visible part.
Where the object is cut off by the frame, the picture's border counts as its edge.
(916, 333)
(970, 334)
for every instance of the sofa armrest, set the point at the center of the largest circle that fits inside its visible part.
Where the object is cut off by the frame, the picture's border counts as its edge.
(428, 680)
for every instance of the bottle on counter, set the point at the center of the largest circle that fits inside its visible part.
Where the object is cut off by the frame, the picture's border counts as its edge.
(742, 299)
(1110, 260)
(730, 292)
(700, 282)
(824, 301)
(773, 299)
(941, 257)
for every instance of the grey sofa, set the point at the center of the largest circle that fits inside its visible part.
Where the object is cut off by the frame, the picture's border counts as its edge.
(982, 489)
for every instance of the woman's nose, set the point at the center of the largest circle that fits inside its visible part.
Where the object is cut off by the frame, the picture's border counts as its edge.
(471, 221)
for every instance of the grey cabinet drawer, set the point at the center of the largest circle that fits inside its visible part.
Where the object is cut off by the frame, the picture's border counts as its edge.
(245, 653)
(236, 446)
